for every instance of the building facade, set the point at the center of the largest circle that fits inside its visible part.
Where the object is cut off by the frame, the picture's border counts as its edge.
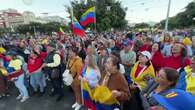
(10, 18)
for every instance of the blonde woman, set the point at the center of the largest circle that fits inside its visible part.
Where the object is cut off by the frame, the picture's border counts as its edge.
(92, 73)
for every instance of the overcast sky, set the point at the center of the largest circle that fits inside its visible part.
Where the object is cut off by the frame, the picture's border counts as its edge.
(138, 10)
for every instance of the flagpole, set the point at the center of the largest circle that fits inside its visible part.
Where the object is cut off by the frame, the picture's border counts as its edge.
(82, 92)
(71, 14)
(95, 16)
(95, 21)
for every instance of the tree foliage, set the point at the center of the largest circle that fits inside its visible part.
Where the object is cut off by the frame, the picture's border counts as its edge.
(47, 28)
(141, 25)
(5, 30)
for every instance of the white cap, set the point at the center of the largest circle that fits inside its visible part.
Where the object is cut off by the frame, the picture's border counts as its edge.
(147, 54)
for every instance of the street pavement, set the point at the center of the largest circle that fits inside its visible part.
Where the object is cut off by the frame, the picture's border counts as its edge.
(36, 102)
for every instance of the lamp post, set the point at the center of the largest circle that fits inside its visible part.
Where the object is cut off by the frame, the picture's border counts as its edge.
(167, 19)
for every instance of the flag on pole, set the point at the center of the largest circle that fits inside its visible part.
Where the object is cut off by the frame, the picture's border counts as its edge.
(88, 17)
(62, 31)
(77, 28)
(87, 92)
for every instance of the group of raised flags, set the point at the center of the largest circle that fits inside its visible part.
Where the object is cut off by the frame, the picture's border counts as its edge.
(88, 17)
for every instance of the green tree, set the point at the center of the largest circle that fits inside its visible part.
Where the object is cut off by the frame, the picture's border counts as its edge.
(109, 13)
(4, 30)
(141, 25)
(47, 28)
(25, 28)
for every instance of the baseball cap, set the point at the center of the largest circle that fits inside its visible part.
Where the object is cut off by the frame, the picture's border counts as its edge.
(147, 54)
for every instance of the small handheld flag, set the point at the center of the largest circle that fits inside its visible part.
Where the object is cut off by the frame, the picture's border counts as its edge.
(62, 31)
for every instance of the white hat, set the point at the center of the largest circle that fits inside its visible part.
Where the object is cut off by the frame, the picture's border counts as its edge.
(147, 54)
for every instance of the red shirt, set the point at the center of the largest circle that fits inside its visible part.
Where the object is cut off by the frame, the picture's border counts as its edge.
(138, 70)
(35, 63)
(176, 62)
(157, 60)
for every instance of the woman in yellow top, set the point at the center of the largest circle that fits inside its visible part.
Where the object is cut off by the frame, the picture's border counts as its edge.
(142, 71)
(75, 65)
(187, 78)
(191, 78)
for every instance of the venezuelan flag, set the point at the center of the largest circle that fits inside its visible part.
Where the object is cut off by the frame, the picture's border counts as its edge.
(87, 94)
(104, 100)
(186, 81)
(77, 28)
(98, 98)
(88, 17)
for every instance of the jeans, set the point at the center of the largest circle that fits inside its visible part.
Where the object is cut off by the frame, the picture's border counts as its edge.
(26, 76)
(44, 80)
(37, 80)
(19, 83)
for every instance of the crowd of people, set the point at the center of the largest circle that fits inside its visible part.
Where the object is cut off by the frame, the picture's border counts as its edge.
(141, 70)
